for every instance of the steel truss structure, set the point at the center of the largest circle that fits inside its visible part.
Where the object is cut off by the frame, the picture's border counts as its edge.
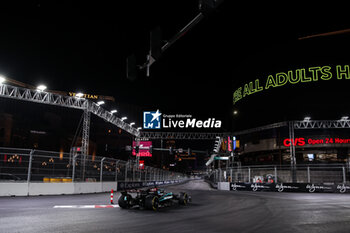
(43, 97)
(322, 124)
(89, 107)
(310, 124)
(182, 135)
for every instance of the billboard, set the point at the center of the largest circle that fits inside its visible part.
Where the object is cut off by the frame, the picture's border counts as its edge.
(292, 77)
(141, 148)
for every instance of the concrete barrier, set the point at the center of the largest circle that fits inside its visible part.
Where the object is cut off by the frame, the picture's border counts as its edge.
(51, 188)
(13, 189)
(224, 186)
(30, 189)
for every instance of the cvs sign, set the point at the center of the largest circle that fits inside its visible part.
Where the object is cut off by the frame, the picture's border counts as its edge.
(295, 142)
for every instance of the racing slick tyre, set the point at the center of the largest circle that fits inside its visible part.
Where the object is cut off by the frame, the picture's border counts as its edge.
(152, 203)
(183, 199)
(124, 201)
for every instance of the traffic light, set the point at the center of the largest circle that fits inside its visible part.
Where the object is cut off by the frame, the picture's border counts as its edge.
(217, 144)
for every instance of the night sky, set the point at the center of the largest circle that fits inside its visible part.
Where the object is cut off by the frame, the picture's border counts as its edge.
(83, 47)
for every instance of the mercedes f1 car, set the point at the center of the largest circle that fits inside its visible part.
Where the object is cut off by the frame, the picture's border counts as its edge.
(152, 199)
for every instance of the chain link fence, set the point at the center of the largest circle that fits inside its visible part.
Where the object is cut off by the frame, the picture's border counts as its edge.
(26, 165)
(315, 173)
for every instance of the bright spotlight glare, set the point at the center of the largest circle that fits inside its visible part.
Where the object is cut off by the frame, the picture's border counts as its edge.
(2, 79)
(124, 118)
(79, 95)
(114, 111)
(132, 123)
(41, 88)
(100, 102)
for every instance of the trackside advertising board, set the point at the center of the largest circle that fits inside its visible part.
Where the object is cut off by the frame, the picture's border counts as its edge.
(291, 187)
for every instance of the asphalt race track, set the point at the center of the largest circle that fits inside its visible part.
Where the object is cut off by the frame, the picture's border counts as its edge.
(210, 211)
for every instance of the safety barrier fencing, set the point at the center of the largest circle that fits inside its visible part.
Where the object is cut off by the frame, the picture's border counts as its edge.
(301, 178)
(59, 169)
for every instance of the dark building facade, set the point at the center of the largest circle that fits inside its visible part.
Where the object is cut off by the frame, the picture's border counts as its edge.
(312, 146)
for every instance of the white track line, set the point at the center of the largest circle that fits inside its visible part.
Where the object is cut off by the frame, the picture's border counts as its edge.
(84, 206)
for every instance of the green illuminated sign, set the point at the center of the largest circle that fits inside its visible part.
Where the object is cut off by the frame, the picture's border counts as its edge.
(303, 75)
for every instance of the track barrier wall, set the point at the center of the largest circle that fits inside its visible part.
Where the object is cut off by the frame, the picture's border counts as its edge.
(332, 178)
(291, 187)
(29, 189)
(34, 172)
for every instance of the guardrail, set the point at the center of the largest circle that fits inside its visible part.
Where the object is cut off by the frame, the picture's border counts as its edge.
(26, 165)
(321, 177)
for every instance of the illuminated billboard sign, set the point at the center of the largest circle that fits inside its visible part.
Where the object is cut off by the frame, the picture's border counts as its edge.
(291, 77)
(229, 144)
(86, 96)
(314, 141)
(143, 148)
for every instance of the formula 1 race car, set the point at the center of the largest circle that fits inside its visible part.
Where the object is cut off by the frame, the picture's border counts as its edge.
(152, 199)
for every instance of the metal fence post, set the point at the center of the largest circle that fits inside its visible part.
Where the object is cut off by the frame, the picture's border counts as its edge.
(249, 174)
(344, 175)
(140, 171)
(101, 168)
(126, 171)
(116, 170)
(73, 170)
(145, 173)
(308, 175)
(275, 175)
(30, 165)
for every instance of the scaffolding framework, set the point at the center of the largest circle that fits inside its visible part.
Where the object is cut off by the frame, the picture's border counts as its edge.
(43, 97)
(322, 124)
(182, 135)
(89, 107)
(310, 124)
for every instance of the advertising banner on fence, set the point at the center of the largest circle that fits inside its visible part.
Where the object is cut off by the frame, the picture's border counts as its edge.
(291, 187)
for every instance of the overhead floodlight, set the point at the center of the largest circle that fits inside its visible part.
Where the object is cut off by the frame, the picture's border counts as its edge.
(41, 88)
(100, 102)
(138, 128)
(114, 111)
(124, 118)
(2, 79)
(132, 123)
(79, 95)
(307, 118)
(344, 118)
